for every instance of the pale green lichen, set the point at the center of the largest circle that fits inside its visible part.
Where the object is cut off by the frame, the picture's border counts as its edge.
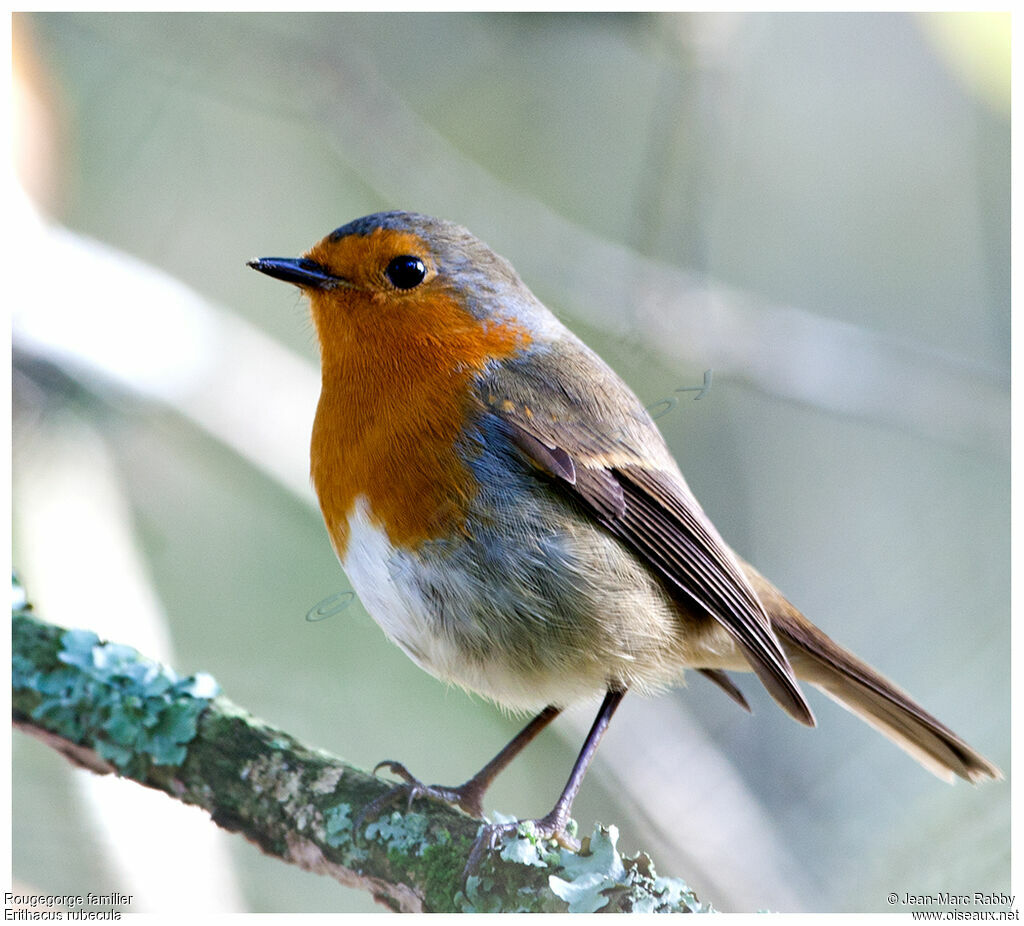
(526, 848)
(584, 877)
(131, 710)
(603, 877)
(338, 825)
(599, 878)
(339, 834)
(404, 833)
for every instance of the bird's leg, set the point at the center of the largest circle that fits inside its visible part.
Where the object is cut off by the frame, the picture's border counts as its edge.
(469, 795)
(553, 825)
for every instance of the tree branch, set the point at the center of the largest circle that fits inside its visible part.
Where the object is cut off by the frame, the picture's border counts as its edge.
(109, 709)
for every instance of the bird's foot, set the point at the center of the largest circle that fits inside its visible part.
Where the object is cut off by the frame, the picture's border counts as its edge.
(552, 827)
(467, 797)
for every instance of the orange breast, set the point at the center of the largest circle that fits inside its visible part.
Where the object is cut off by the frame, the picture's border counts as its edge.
(394, 401)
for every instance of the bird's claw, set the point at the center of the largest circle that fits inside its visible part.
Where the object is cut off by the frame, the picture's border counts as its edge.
(466, 797)
(396, 768)
(490, 834)
(412, 786)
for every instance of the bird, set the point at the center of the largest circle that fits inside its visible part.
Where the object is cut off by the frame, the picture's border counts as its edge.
(510, 515)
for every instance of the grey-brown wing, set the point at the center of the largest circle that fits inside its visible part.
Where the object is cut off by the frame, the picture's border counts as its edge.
(572, 418)
(675, 538)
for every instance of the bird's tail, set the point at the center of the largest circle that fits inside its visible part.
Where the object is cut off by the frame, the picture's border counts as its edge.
(818, 659)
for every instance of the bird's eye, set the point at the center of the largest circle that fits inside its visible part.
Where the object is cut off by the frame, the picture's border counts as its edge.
(406, 271)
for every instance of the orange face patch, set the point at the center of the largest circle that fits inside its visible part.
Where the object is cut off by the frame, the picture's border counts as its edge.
(362, 259)
(395, 397)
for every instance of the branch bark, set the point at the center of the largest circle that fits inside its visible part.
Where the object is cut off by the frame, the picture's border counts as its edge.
(109, 709)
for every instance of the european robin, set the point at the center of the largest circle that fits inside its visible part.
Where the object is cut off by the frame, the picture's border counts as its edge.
(511, 516)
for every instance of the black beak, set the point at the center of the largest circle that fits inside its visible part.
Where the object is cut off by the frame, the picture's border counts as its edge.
(305, 273)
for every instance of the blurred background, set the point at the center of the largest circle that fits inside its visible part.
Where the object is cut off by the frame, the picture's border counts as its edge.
(813, 207)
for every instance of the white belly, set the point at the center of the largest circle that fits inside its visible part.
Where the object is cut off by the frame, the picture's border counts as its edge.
(385, 580)
(500, 628)
(381, 576)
